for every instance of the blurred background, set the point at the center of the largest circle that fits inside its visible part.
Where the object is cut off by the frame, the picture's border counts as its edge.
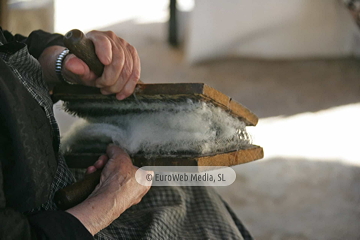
(295, 64)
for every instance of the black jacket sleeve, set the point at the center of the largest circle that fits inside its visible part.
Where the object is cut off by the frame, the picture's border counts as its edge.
(13, 223)
(37, 41)
(52, 225)
(58, 225)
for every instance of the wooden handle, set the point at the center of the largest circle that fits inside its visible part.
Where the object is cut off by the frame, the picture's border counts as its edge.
(84, 49)
(74, 194)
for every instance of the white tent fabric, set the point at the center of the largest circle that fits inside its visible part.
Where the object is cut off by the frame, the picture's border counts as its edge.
(272, 29)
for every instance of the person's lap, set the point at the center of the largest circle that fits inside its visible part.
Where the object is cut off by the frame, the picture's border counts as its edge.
(177, 213)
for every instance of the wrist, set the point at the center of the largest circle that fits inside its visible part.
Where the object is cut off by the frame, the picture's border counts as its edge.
(47, 61)
(98, 211)
(59, 66)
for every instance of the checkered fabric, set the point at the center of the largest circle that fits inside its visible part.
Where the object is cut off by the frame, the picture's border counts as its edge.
(176, 213)
(164, 213)
(28, 70)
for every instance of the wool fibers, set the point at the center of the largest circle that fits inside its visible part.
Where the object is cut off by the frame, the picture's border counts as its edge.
(155, 129)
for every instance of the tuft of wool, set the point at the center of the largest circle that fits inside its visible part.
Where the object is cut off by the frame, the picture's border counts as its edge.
(155, 129)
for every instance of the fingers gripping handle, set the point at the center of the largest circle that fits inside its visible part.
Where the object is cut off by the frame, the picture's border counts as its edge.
(74, 194)
(84, 49)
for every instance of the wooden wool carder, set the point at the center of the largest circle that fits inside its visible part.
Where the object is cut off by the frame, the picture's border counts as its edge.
(98, 109)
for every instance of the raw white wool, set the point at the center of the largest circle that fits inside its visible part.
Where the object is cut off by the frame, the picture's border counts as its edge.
(174, 129)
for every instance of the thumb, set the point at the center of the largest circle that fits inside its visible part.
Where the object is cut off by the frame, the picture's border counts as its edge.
(119, 157)
(76, 65)
(76, 70)
(114, 151)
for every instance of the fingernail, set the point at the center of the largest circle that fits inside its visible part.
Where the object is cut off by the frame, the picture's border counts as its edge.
(120, 97)
(104, 92)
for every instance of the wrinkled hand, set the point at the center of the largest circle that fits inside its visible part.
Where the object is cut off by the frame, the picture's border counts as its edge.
(121, 61)
(118, 178)
(117, 191)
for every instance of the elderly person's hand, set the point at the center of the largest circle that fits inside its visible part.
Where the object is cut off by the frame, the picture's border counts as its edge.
(121, 61)
(122, 65)
(117, 191)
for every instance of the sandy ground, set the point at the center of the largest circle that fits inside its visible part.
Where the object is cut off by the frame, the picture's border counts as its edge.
(308, 184)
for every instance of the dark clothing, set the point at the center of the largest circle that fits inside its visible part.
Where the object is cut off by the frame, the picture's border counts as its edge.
(30, 167)
(32, 170)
